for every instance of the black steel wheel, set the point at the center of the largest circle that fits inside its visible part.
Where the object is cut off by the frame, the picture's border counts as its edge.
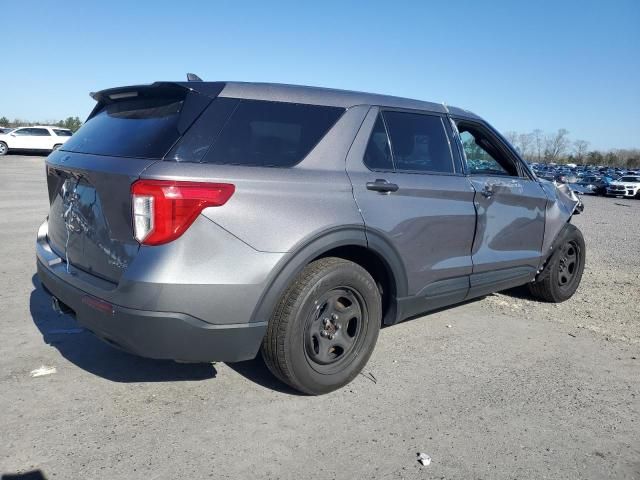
(334, 329)
(568, 264)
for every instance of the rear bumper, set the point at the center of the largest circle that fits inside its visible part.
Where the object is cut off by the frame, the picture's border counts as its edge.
(160, 335)
(111, 312)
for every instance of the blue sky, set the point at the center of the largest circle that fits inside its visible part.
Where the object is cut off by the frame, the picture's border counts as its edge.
(521, 65)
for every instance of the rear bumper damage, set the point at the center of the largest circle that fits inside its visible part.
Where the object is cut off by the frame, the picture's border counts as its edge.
(148, 333)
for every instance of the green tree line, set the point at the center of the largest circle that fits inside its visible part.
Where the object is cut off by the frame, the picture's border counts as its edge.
(72, 123)
(558, 147)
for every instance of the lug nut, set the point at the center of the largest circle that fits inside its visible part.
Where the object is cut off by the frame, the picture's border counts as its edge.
(325, 321)
(323, 333)
(334, 317)
(330, 337)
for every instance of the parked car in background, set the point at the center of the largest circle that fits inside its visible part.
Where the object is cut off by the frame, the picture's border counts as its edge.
(296, 220)
(591, 184)
(5, 130)
(625, 186)
(38, 138)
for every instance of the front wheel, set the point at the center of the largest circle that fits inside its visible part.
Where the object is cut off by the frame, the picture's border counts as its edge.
(325, 326)
(4, 149)
(562, 274)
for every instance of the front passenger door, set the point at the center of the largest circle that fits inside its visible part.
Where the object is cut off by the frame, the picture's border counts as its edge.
(510, 207)
(20, 138)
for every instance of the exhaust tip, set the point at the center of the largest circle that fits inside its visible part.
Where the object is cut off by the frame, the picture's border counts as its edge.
(59, 307)
(55, 305)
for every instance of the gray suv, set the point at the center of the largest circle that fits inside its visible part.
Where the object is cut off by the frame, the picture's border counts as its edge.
(202, 221)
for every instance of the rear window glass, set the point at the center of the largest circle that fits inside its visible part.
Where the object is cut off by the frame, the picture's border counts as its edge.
(142, 127)
(257, 133)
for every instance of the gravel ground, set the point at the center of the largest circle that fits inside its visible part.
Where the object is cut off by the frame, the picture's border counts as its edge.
(498, 388)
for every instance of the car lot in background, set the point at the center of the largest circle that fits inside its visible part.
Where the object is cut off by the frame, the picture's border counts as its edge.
(584, 179)
(4, 130)
(37, 138)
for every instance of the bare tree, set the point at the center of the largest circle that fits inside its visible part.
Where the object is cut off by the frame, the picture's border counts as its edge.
(538, 143)
(556, 144)
(525, 140)
(580, 148)
(512, 137)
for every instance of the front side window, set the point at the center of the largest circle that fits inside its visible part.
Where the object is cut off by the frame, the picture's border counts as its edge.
(419, 142)
(484, 157)
(22, 132)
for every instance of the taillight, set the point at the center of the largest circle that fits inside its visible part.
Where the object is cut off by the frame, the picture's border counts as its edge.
(164, 209)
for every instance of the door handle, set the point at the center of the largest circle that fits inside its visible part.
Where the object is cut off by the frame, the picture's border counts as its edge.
(381, 185)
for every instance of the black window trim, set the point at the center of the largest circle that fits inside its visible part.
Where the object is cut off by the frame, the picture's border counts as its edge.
(380, 113)
(523, 171)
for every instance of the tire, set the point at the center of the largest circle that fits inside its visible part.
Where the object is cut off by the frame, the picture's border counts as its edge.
(4, 149)
(325, 327)
(562, 274)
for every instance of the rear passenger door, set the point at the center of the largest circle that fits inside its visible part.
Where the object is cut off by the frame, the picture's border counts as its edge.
(409, 185)
(42, 139)
(511, 208)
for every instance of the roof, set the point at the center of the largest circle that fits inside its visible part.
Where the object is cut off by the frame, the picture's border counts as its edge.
(41, 126)
(330, 96)
(291, 93)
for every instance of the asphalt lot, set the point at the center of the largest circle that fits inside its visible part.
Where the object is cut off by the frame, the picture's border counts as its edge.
(502, 387)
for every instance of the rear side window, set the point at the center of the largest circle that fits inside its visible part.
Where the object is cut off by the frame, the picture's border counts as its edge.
(40, 132)
(141, 127)
(378, 154)
(62, 133)
(258, 133)
(419, 142)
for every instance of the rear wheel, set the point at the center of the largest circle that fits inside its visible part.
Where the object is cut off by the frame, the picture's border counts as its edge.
(4, 149)
(562, 274)
(325, 327)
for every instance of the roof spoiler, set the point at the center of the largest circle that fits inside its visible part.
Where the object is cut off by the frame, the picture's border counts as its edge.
(157, 89)
(209, 89)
